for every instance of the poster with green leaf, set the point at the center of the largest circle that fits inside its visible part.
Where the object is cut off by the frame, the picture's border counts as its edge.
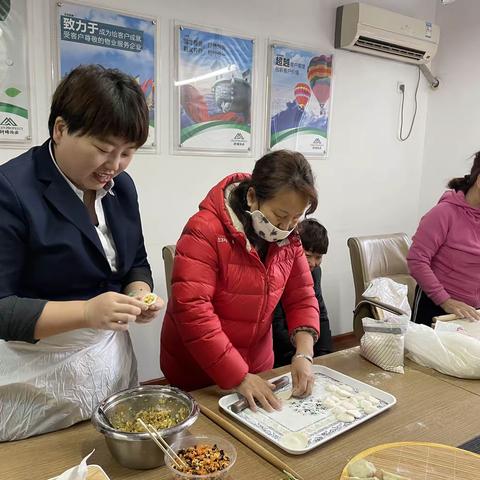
(14, 84)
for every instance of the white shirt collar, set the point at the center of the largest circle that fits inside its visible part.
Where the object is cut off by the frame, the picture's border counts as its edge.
(100, 193)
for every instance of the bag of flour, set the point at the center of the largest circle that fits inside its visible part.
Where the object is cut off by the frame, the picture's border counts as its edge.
(384, 342)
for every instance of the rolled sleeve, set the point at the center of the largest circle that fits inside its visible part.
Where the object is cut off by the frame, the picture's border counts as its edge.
(18, 317)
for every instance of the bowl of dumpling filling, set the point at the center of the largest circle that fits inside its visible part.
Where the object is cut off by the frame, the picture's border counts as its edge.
(169, 410)
(200, 457)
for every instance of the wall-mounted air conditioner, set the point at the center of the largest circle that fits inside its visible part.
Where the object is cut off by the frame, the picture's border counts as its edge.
(375, 31)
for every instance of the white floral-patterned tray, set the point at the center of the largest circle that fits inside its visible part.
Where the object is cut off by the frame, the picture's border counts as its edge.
(304, 424)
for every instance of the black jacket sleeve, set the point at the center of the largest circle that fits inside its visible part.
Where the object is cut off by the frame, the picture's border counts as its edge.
(324, 344)
(282, 346)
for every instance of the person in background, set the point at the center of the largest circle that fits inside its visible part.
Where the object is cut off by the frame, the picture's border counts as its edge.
(73, 264)
(315, 244)
(235, 258)
(444, 257)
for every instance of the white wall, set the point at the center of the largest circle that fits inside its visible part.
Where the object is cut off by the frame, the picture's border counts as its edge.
(369, 184)
(452, 122)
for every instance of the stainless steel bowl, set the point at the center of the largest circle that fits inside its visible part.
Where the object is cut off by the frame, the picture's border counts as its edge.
(138, 450)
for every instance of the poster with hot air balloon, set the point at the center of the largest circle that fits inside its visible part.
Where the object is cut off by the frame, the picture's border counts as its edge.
(115, 40)
(212, 84)
(300, 93)
(14, 81)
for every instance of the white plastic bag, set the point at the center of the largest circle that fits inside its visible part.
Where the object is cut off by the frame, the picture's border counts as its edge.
(79, 472)
(383, 342)
(58, 381)
(452, 348)
(390, 292)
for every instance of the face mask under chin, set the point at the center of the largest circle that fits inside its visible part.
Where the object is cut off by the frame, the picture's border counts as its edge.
(266, 230)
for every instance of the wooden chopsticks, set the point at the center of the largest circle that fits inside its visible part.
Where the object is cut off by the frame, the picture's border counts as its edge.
(162, 444)
(250, 443)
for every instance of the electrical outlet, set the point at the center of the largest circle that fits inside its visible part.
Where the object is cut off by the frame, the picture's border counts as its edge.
(400, 87)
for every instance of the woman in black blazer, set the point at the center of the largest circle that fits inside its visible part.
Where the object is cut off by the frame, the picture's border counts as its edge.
(73, 264)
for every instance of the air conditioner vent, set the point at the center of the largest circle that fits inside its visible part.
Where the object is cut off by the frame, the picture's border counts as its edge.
(390, 48)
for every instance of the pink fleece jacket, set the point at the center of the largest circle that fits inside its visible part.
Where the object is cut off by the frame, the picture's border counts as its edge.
(444, 257)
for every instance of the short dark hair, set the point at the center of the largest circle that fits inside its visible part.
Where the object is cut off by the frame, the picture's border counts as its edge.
(101, 102)
(284, 169)
(275, 171)
(314, 236)
(465, 183)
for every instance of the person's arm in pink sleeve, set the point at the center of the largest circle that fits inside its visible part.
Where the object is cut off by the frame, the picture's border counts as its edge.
(430, 236)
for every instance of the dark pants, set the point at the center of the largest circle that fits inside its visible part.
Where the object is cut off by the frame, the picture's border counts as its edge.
(424, 309)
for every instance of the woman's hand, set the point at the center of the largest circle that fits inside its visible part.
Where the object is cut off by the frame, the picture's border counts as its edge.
(254, 388)
(152, 311)
(112, 311)
(460, 309)
(303, 379)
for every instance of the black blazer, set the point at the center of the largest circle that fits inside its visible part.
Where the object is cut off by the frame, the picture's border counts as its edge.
(49, 248)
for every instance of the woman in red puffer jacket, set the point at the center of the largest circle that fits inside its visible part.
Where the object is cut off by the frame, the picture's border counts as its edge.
(236, 259)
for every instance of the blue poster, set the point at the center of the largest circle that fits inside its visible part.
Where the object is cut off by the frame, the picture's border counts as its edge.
(97, 36)
(214, 78)
(300, 97)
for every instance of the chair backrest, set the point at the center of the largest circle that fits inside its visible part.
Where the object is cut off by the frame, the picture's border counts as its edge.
(376, 256)
(168, 253)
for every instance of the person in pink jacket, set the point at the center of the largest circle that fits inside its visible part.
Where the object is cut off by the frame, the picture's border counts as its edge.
(444, 257)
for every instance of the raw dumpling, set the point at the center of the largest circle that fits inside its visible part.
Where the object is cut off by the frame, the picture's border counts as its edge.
(369, 409)
(365, 404)
(369, 398)
(355, 401)
(331, 388)
(345, 417)
(355, 413)
(294, 440)
(343, 393)
(330, 402)
(362, 469)
(348, 405)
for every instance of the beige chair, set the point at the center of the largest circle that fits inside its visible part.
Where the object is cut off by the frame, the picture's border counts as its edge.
(168, 253)
(378, 256)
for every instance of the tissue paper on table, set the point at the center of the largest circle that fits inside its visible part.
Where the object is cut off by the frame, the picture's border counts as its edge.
(79, 472)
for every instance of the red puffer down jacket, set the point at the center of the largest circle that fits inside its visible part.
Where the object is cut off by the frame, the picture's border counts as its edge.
(217, 326)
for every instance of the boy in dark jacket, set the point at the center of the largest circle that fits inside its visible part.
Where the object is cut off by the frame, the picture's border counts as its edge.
(315, 244)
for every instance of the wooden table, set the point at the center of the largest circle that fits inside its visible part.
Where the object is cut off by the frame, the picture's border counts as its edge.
(472, 386)
(428, 409)
(48, 455)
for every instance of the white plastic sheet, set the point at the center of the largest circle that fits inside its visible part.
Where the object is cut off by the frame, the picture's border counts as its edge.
(452, 348)
(58, 381)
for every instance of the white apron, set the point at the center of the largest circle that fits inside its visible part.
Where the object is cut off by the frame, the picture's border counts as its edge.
(59, 380)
